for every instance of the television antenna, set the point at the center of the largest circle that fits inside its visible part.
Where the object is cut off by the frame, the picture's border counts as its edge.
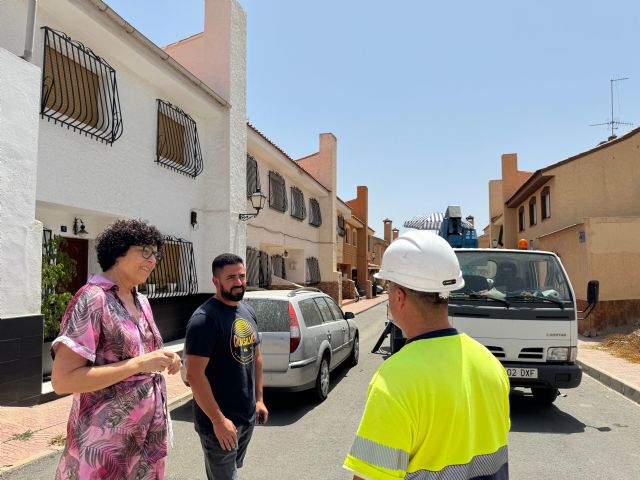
(613, 123)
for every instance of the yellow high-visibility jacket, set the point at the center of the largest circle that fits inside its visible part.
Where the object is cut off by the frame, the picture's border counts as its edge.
(437, 409)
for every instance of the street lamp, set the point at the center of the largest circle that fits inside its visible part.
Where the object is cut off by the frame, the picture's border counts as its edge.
(78, 227)
(257, 201)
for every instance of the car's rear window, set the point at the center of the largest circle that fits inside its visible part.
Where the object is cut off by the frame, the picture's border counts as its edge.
(272, 315)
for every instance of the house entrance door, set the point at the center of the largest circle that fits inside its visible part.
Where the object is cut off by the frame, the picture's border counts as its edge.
(78, 249)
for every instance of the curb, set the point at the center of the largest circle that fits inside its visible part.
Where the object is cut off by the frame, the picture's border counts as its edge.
(632, 392)
(369, 307)
(180, 400)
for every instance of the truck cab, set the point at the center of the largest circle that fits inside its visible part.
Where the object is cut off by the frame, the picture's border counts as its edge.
(520, 304)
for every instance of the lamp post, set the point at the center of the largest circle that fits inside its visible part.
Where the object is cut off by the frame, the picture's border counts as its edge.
(258, 200)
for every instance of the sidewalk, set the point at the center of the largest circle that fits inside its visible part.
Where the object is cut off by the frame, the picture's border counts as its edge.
(29, 433)
(616, 373)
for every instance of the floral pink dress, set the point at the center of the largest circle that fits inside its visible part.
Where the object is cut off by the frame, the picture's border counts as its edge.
(118, 432)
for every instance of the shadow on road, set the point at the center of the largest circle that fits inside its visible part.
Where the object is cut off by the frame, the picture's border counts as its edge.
(529, 416)
(285, 408)
(183, 413)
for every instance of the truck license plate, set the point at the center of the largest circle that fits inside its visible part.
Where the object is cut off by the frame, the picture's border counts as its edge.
(522, 372)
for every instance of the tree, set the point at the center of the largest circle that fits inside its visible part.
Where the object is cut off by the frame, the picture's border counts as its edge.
(58, 269)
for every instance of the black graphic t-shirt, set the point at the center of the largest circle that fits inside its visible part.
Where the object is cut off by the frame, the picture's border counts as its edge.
(228, 336)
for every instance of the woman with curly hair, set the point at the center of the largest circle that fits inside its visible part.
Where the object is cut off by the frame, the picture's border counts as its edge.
(110, 355)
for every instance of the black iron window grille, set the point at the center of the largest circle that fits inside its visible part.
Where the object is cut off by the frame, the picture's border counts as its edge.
(79, 88)
(298, 209)
(277, 192)
(341, 230)
(175, 275)
(315, 217)
(265, 270)
(313, 271)
(253, 267)
(253, 176)
(277, 264)
(177, 145)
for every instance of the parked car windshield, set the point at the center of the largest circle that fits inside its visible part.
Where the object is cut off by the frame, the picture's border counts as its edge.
(272, 315)
(518, 276)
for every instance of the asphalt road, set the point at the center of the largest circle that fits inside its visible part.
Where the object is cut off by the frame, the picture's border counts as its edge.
(590, 432)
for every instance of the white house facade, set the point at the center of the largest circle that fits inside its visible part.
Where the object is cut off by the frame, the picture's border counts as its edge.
(294, 237)
(97, 124)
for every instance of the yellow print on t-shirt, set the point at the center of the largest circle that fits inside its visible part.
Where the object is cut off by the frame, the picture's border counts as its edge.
(243, 340)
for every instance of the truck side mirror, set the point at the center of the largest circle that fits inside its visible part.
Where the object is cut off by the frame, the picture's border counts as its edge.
(593, 292)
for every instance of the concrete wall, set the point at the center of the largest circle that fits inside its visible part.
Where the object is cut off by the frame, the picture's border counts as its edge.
(21, 330)
(614, 255)
(20, 233)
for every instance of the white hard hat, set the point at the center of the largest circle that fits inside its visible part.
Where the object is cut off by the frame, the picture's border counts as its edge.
(422, 261)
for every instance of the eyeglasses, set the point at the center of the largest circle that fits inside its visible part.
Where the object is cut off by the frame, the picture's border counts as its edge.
(148, 252)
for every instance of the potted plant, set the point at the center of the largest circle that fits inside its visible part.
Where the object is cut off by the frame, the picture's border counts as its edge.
(58, 269)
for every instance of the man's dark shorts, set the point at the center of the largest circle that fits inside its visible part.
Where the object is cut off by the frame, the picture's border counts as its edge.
(223, 464)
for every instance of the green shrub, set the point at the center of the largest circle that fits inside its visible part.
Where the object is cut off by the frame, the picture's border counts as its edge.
(58, 269)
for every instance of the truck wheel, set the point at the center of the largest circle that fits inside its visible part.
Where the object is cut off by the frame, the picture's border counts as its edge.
(545, 395)
(321, 389)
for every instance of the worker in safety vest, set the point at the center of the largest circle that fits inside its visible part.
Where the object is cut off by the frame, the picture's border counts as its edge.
(438, 408)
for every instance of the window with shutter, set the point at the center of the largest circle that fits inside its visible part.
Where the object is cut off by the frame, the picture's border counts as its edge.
(277, 192)
(253, 176)
(315, 217)
(177, 144)
(298, 209)
(79, 88)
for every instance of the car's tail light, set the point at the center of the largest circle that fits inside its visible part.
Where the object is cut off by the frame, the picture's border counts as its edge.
(294, 329)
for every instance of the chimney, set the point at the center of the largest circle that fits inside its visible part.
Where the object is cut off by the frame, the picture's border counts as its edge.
(387, 230)
(395, 232)
(217, 55)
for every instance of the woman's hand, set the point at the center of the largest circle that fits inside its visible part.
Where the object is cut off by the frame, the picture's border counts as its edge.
(156, 361)
(175, 365)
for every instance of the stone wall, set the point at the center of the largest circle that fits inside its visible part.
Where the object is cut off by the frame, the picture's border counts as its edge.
(333, 289)
(348, 289)
(609, 314)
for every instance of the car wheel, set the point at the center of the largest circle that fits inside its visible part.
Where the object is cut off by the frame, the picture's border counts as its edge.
(322, 381)
(545, 396)
(355, 352)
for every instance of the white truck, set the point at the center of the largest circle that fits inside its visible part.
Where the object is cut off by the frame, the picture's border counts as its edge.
(520, 304)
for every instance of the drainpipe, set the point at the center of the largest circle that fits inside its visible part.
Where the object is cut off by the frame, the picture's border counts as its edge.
(31, 23)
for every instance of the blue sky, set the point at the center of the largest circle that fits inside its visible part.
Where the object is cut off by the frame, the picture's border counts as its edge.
(425, 96)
